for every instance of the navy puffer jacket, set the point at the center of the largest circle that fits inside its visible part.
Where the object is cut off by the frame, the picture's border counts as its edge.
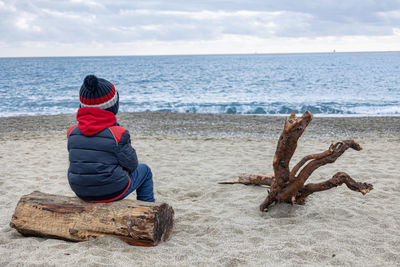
(101, 156)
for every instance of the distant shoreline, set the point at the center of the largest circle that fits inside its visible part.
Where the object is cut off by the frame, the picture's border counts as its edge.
(216, 54)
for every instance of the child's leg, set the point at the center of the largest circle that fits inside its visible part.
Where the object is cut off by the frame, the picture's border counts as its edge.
(142, 180)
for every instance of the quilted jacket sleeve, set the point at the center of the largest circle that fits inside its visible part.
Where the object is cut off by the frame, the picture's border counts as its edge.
(126, 154)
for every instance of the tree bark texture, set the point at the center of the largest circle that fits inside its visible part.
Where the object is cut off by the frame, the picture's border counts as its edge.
(69, 218)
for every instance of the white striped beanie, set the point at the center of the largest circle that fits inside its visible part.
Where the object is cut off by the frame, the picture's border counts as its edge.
(98, 93)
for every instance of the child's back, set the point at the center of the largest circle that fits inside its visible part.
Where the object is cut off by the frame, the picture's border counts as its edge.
(103, 164)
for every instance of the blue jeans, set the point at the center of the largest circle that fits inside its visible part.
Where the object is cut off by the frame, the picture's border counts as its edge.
(142, 182)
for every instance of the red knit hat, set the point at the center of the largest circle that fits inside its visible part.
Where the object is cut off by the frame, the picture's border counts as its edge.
(98, 93)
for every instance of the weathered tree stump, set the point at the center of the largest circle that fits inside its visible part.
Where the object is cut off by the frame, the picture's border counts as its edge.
(288, 185)
(69, 218)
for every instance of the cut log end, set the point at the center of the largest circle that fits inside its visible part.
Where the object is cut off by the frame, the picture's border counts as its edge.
(69, 218)
(163, 223)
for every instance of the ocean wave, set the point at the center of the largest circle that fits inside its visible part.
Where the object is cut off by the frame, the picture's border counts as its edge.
(325, 109)
(277, 108)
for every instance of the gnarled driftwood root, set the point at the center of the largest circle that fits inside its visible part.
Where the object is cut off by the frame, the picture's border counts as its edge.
(288, 185)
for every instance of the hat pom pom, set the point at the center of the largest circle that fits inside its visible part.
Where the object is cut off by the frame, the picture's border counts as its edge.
(91, 83)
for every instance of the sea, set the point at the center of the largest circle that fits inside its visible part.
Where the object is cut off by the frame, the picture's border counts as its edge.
(327, 84)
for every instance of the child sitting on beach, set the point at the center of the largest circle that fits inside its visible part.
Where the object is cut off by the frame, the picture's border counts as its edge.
(103, 164)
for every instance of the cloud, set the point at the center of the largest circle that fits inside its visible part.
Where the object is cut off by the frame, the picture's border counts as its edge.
(25, 21)
(122, 21)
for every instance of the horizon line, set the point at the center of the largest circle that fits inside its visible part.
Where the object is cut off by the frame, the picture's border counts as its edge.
(207, 54)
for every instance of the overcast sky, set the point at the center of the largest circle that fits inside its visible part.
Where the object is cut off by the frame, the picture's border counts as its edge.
(128, 27)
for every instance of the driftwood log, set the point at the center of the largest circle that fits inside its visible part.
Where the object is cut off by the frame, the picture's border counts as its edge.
(69, 218)
(287, 185)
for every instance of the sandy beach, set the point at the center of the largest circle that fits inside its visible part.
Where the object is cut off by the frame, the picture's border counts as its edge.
(217, 225)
